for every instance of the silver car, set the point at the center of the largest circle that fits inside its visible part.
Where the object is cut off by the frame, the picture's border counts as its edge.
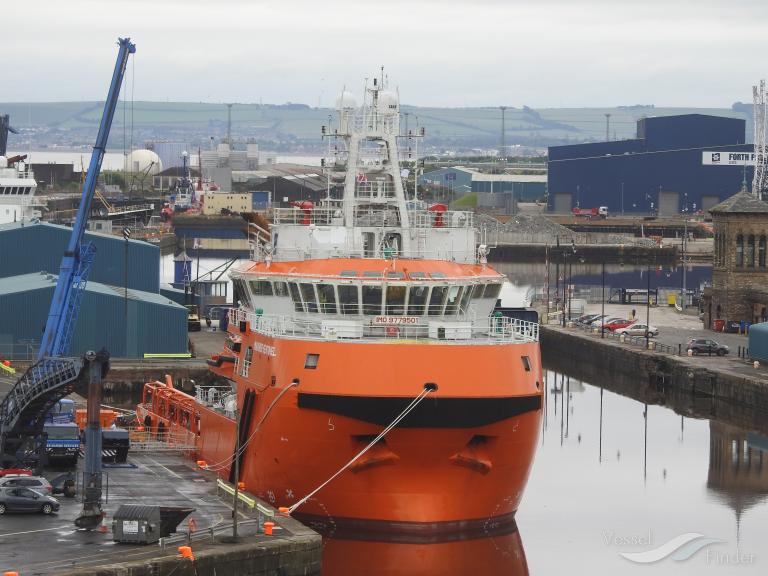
(32, 482)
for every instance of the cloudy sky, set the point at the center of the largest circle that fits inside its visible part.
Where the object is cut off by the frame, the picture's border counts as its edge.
(561, 53)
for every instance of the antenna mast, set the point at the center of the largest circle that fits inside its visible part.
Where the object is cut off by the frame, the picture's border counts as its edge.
(759, 115)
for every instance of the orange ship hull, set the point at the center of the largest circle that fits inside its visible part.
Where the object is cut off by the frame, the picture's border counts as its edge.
(460, 458)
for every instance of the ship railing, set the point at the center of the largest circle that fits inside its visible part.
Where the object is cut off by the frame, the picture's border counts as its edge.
(323, 216)
(374, 189)
(492, 330)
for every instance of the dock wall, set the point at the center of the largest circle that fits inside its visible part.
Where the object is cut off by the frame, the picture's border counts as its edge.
(688, 385)
(611, 254)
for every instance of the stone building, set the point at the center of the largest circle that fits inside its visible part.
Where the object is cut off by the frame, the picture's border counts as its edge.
(739, 274)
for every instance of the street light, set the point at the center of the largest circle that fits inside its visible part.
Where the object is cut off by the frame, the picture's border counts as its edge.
(602, 323)
(648, 309)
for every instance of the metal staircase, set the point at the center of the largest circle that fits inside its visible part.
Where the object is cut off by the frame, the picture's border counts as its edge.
(23, 410)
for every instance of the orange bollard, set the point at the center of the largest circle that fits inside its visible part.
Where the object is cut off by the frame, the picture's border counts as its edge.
(284, 510)
(268, 528)
(186, 552)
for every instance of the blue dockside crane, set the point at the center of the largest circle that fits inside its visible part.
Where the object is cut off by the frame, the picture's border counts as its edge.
(53, 376)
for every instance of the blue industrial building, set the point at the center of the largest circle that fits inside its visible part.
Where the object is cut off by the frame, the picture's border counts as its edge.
(27, 247)
(460, 180)
(30, 257)
(153, 323)
(676, 164)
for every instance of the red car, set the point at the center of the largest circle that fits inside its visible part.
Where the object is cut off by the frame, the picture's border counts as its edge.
(617, 324)
(15, 471)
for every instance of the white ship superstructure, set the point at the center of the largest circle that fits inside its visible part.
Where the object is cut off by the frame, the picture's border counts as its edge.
(374, 218)
(17, 191)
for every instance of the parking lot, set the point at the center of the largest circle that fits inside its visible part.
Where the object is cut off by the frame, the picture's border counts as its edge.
(38, 544)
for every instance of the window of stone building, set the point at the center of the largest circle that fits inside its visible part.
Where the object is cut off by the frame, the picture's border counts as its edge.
(761, 252)
(750, 252)
(739, 251)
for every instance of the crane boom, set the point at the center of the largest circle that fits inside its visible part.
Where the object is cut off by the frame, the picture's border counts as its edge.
(76, 262)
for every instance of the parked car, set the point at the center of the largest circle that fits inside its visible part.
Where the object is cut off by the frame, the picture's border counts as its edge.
(20, 499)
(618, 323)
(15, 472)
(33, 482)
(604, 320)
(638, 329)
(586, 319)
(706, 346)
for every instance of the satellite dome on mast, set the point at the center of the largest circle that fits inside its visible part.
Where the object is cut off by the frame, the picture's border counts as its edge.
(388, 102)
(140, 161)
(346, 101)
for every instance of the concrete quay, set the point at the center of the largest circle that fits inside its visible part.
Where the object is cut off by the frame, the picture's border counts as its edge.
(33, 544)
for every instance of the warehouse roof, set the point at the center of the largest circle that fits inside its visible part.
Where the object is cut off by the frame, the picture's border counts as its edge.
(43, 280)
(742, 202)
(31, 223)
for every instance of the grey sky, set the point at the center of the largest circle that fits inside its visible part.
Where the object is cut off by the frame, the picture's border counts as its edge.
(444, 53)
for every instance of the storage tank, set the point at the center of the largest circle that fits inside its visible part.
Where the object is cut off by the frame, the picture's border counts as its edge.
(143, 161)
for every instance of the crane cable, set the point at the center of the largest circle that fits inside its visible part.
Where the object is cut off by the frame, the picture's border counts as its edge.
(227, 461)
(415, 402)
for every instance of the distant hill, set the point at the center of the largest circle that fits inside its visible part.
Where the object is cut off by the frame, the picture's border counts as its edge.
(55, 122)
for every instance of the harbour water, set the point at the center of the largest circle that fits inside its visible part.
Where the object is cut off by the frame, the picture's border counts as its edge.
(612, 476)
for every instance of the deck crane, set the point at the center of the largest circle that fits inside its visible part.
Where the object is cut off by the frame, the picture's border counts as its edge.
(54, 375)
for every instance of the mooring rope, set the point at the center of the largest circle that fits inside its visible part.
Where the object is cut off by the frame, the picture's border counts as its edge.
(415, 402)
(227, 461)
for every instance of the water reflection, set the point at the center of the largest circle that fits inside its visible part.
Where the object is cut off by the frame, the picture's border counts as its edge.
(489, 555)
(623, 459)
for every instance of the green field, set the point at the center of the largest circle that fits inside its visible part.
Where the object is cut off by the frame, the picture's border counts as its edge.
(538, 127)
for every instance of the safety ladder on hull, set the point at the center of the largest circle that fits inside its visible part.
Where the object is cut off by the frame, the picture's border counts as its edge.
(23, 410)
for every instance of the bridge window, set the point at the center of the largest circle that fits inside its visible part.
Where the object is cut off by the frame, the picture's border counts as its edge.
(454, 297)
(436, 300)
(240, 291)
(326, 298)
(396, 299)
(280, 288)
(296, 296)
(308, 294)
(261, 287)
(417, 300)
(372, 299)
(477, 291)
(27, 190)
(739, 251)
(761, 252)
(750, 253)
(492, 291)
(465, 299)
(349, 300)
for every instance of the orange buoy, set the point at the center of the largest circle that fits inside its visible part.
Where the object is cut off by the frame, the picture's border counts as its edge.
(202, 463)
(284, 510)
(7, 363)
(268, 528)
(241, 485)
(392, 330)
(10, 574)
(186, 552)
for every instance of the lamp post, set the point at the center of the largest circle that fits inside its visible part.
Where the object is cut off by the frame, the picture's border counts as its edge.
(602, 323)
(126, 236)
(648, 308)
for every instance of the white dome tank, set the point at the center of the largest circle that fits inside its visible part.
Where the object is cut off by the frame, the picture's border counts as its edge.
(143, 161)
(388, 102)
(346, 101)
